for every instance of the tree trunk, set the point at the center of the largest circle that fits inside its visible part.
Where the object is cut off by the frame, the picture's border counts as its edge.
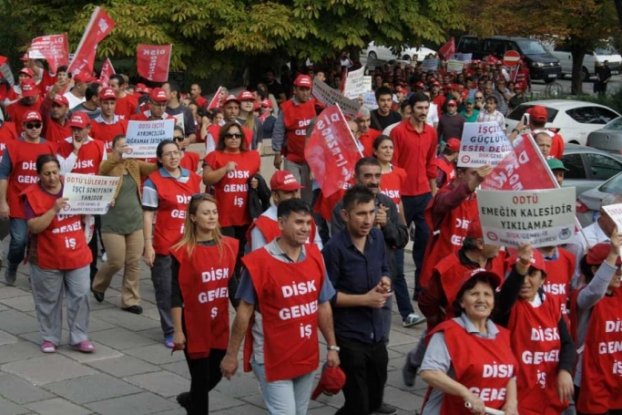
(576, 85)
(618, 4)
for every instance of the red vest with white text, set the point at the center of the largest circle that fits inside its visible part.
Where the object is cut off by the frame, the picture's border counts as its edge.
(288, 296)
(105, 133)
(558, 275)
(391, 184)
(204, 281)
(64, 235)
(296, 119)
(173, 199)
(89, 157)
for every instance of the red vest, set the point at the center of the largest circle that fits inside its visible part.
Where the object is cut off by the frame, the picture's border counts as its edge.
(106, 132)
(391, 184)
(296, 119)
(173, 199)
(367, 140)
(536, 344)
(447, 167)
(557, 147)
(23, 170)
(190, 161)
(231, 191)
(7, 133)
(484, 366)
(17, 112)
(204, 281)
(601, 381)
(126, 106)
(558, 275)
(54, 132)
(89, 157)
(288, 296)
(64, 234)
(269, 228)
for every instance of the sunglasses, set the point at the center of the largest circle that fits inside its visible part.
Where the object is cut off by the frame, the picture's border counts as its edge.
(31, 125)
(479, 98)
(178, 138)
(233, 135)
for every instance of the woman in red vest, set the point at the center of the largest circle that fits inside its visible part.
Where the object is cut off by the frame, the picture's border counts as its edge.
(392, 176)
(202, 264)
(52, 274)
(469, 364)
(597, 313)
(166, 193)
(540, 339)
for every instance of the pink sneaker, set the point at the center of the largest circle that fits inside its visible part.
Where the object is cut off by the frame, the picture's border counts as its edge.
(48, 347)
(84, 347)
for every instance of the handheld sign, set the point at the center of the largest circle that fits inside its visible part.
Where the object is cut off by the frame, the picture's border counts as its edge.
(329, 96)
(538, 217)
(143, 137)
(615, 213)
(88, 194)
(483, 143)
(356, 84)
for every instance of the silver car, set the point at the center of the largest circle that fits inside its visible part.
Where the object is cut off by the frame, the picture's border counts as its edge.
(588, 203)
(608, 138)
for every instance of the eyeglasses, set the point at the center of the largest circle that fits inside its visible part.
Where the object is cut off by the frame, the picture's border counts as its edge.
(233, 135)
(178, 138)
(479, 98)
(171, 154)
(31, 125)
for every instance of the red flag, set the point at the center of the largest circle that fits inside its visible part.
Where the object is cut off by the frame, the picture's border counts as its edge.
(216, 100)
(106, 72)
(98, 28)
(53, 48)
(331, 151)
(152, 61)
(448, 49)
(523, 169)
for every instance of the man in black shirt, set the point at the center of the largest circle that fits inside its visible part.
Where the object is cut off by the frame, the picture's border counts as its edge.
(382, 117)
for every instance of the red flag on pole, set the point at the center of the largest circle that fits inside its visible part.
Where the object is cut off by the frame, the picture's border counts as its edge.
(53, 48)
(98, 28)
(106, 72)
(331, 151)
(152, 61)
(216, 100)
(448, 49)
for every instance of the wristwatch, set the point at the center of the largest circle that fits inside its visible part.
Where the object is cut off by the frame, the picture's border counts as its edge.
(333, 347)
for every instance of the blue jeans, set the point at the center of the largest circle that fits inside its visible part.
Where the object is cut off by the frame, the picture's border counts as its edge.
(414, 208)
(400, 287)
(17, 247)
(284, 397)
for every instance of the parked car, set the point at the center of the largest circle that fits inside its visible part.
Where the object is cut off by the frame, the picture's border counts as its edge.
(589, 202)
(608, 138)
(384, 53)
(590, 60)
(589, 167)
(575, 120)
(542, 64)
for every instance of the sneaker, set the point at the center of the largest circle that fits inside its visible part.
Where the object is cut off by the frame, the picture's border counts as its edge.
(84, 346)
(134, 309)
(409, 373)
(385, 409)
(10, 276)
(98, 296)
(48, 347)
(413, 319)
(168, 341)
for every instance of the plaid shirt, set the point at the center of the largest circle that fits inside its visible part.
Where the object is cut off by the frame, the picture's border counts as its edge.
(495, 116)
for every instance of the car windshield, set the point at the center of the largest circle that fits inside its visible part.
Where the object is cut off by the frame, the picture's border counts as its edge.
(613, 186)
(530, 47)
(520, 110)
(605, 51)
(614, 125)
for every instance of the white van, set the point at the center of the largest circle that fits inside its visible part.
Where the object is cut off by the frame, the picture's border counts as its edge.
(602, 54)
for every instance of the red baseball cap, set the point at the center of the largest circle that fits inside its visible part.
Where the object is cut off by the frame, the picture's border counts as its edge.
(33, 116)
(538, 113)
(598, 253)
(29, 88)
(331, 382)
(107, 94)
(303, 81)
(284, 180)
(453, 144)
(140, 87)
(60, 100)
(158, 95)
(475, 229)
(452, 291)
(27, 72)
(79, 120)
(231, 98)
(452, 102)
(266, 103)
(83, 77)
(246, 96)
(420, 85)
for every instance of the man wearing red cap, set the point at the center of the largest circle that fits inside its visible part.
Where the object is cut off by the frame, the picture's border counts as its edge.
(290, 131)
(538, 117)
(76, 95)
(29, 102)
(158, 99)
(450, 124)
(56, 126)
(15, 93)
(108, 125)
(126, 104)
(446, 162)
(17, 172)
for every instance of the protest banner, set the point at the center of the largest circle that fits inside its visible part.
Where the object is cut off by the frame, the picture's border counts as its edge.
(153, 61)
(483, 143)
(216, 101)
(106, 72)
(429, 65)
(329, 96)
(96, 30)
(53, 48)
(143, 137)
(537, 217)
(357, 84)
(369, 100)
(448, 49)
(615, 213)
(331, 151)
(524, 168)
(88, 194)
(464, 57)
(455, 66)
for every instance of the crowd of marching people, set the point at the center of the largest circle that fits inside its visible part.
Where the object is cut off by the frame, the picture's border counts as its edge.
(522, 331)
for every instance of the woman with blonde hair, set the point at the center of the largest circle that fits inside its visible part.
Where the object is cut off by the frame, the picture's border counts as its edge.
(203, 261)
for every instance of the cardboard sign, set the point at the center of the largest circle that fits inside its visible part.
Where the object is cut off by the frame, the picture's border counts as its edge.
(615, 213)
(454, 65)
(357, 84)
(483, 143)
(464, 57)
(53, 48)
(369, 100)
(538, 217)
(329, 96)
(430, 65)
(153, 61)
(143, 137)
(89, 194)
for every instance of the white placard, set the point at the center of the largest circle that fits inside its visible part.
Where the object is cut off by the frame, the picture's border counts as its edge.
(454, 65)
(483, 143)
(538, 217)
(143, 137)
(356, 84)
(464, 57)
(615, 213)
(330, 96)
(369, 100)
(89, 194)
(430, 65)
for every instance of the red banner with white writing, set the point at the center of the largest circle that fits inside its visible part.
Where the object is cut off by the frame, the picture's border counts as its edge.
(448, 49)
(152, 61)
(331, 151)
(523, 169)
(106, 72)
(98, 28)
(217, 100)
(53, 48)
